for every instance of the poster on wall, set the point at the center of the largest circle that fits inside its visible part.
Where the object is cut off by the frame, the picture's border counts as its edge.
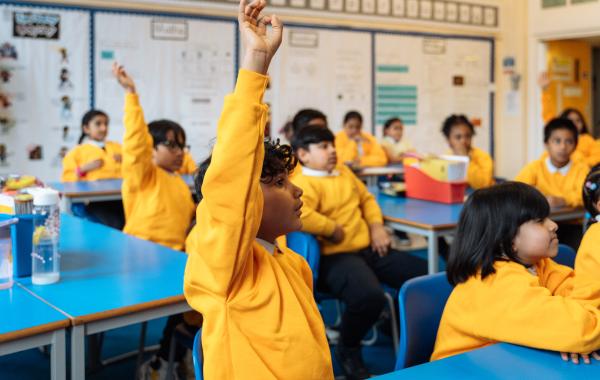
(44, 87)
(181, 71)
(439, 78)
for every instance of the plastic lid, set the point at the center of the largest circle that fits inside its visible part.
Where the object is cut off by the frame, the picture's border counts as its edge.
(45, 197)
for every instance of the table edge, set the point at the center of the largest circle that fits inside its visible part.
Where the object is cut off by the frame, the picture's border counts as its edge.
(36, 330)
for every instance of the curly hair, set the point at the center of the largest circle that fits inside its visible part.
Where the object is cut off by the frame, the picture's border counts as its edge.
(591, 193)
(279, 158)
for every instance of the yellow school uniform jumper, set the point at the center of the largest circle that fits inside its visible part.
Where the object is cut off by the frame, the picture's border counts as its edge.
(589, 149)
(188, 166)
(513, 305)
(90, 151)
(480, 172)
(371, 153)
(158, 204)
(260, 317)
(565, 182)
(587, 261)
(337, 198)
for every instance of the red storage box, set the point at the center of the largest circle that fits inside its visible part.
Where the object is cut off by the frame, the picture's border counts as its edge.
(421, 186)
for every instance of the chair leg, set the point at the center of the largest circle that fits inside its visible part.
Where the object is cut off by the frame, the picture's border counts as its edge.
(394, 322)
(140, 355)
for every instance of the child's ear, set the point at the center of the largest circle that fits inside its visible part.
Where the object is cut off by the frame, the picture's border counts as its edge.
(597, 205)
(302, 154)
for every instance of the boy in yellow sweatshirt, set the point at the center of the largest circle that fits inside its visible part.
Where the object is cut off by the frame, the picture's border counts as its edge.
(260, 317)
(356, 147)
(355, 247)
(558, 177)
(158, 203)
(507, 288)
(459, 132)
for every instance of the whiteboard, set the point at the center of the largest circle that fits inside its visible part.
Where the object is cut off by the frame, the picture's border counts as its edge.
(329, 70)
(42, 118)
(182, 67)
(425, 79)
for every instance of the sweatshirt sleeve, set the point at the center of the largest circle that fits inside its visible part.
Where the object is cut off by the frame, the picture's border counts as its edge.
(527, 174)
(587, 263)
(573, 196)
(375, 156)
(556, 278)
(137, 167)
(69, 167)
(370, 209)
(227, 219)
(313, 222)
(480, 173)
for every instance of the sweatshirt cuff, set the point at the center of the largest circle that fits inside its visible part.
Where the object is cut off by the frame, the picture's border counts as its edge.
(132, 100)
(328, 228)
(251, 85)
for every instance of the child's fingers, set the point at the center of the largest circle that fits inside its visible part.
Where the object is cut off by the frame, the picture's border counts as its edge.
(277, 26)
(564, 356)
(242, 11)
(586, 358)
(575, 358)
(596, 355)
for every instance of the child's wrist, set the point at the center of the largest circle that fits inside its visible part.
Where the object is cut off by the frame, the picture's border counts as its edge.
(256, 60)
(80, 172)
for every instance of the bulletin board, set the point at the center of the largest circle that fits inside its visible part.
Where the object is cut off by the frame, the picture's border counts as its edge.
(182, 67)
(423, 79)
(44, 86)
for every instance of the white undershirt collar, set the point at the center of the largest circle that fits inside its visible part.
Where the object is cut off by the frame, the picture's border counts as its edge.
(553, 169)
(99, 144)
(270, 247)
(319, 173)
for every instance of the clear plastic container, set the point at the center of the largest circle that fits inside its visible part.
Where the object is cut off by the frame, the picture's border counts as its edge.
(6, 262)
(45, 259)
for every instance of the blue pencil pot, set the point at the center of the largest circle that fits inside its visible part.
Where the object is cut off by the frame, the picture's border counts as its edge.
(22, 234)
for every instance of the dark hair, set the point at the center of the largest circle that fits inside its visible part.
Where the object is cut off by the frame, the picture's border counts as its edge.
(388, 123)
(565, 115)
(87, 118)
(304, 117)
(591, 193)
(488, 224)
(454, 120)
(279, 158)
(311, 135)
(353, 115)
(160, 128)
(557, 124)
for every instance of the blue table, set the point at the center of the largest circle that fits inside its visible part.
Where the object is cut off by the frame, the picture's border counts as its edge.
(109, 280)
(500, 361)
(95, 191)
(433, 220)
(28, 322)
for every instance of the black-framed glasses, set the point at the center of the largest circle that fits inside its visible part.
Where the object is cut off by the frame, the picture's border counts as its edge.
(174, 145)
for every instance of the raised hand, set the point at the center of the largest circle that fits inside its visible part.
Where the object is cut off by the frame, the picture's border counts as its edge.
(123, 78)
(259, 46)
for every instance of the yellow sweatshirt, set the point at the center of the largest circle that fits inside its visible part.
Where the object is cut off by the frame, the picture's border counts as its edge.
(260, 317)
(567, 186)
(188, 166)
(158, 204)
(589, 149)
(587, 261)
(348, 150)
(515, 306)
(87, 152)
(480, 172)
(340, 198)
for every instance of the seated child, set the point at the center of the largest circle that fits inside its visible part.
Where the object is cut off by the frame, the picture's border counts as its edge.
(158, 203)
(588, 149)
(355, 247)
(356, 147)
(459, 132)
(93, 159)
(393, 143)
(507, 287)
(260, 317)
(558, 177)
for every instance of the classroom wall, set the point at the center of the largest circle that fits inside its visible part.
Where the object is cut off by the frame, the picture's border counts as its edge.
(510, 132)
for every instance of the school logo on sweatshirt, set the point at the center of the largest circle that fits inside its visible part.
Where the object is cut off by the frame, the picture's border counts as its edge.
(36, 25)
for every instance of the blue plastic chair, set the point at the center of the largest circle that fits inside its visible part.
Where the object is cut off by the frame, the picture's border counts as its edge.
(198, 356)
(566, 256)
(421, 303)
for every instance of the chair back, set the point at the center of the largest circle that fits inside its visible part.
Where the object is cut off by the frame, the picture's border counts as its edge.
(198, 356)
(565, 256)
(307, 246)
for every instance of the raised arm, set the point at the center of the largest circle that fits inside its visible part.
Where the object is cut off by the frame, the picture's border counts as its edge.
(229, 215)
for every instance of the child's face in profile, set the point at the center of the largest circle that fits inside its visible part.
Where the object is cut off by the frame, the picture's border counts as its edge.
(282, 208)
(560, 145)
(97, 128)
(168, 154)
(460, 139)
(395, 131)
(352, 128)
(535, 240)
(319, 156)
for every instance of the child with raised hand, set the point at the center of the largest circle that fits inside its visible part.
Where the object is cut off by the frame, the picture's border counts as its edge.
(260, 317)
(95, 158)
(356, 147)
(459, 132)
(158, 203)
(507, 288)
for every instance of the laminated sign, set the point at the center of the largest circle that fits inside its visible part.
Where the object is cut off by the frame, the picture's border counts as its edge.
(36, 25)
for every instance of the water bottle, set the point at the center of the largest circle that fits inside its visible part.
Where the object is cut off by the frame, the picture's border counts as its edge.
(45, 259)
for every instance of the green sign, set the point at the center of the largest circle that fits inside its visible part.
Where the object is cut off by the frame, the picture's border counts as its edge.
(553, 3)
(581, 1)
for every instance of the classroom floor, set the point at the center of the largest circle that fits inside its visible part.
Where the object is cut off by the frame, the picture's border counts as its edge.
(33, 364)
